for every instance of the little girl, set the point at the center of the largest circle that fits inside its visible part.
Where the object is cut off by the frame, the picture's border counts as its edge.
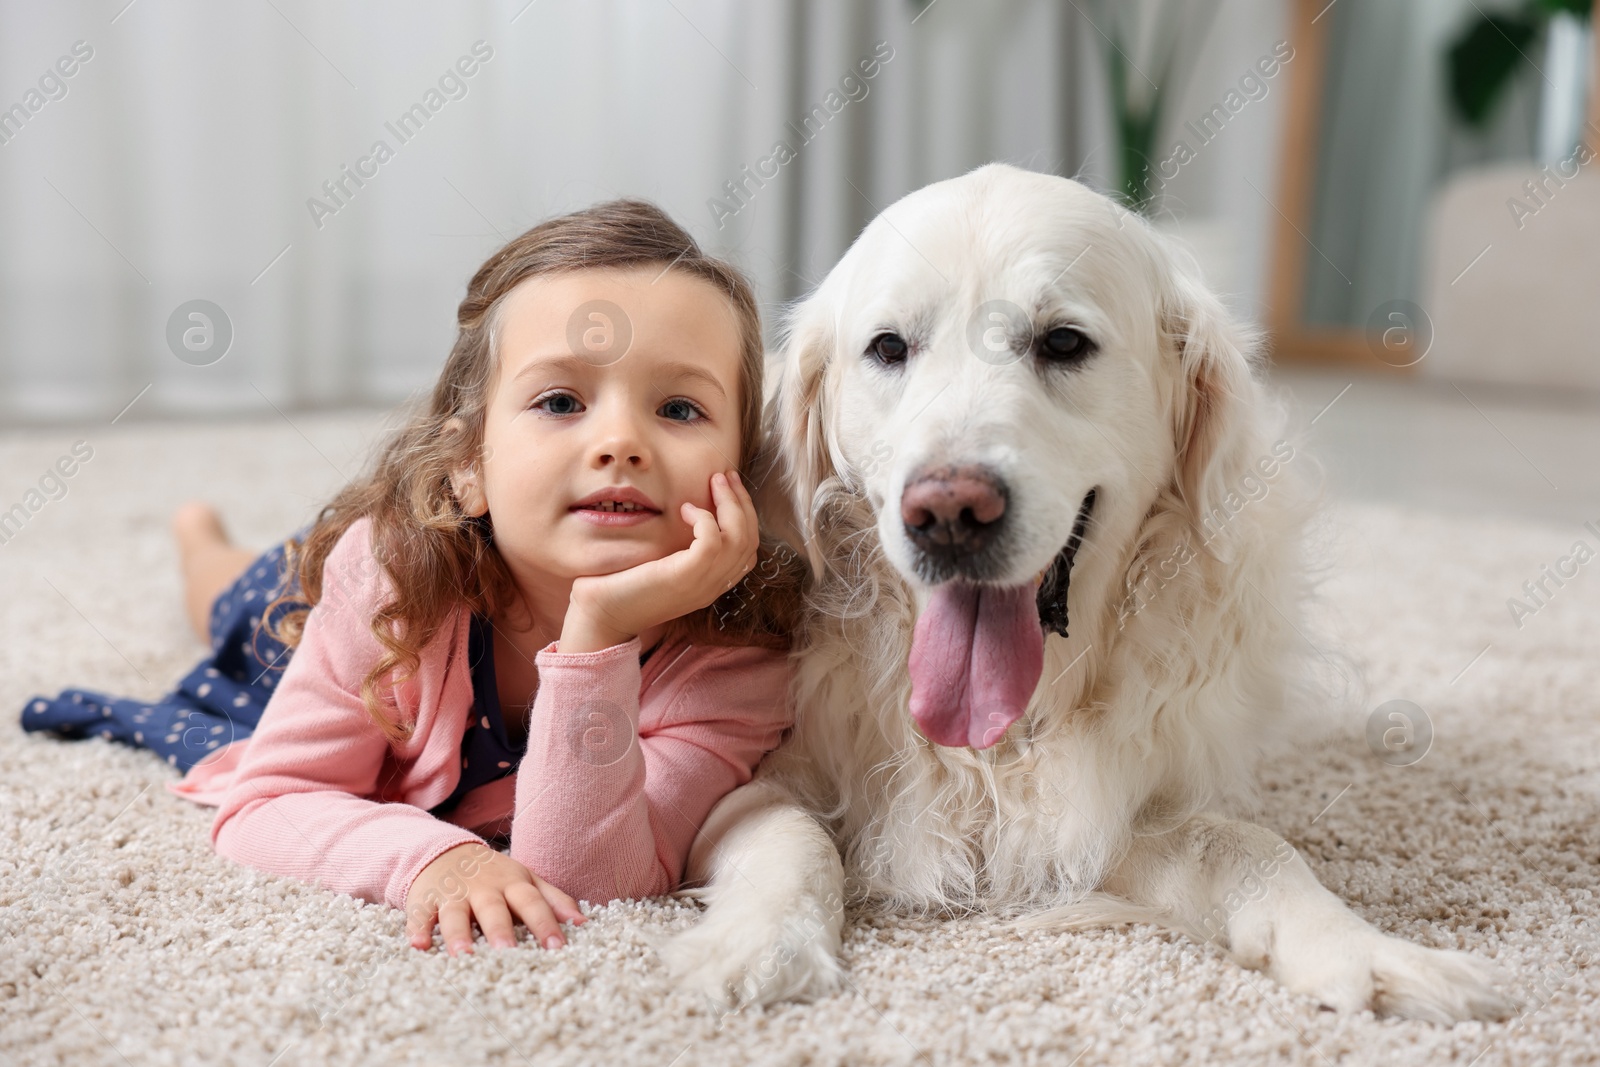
(530, 624)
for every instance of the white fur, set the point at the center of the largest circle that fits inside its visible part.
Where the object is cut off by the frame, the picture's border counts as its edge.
(1099, 805)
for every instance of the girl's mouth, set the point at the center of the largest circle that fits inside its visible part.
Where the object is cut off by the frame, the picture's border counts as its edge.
(613, 513)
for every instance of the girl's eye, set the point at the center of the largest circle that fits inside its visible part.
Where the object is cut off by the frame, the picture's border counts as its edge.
(679, 404)
(555, 398)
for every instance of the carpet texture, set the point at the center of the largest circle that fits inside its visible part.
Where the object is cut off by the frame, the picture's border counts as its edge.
(125, 939)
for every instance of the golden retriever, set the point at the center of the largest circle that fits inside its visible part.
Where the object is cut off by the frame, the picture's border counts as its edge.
(1008, 382)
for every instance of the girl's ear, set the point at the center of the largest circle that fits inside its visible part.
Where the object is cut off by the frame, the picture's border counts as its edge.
(466, 482)
(798, 421)
(468, 488)
(1211, 415)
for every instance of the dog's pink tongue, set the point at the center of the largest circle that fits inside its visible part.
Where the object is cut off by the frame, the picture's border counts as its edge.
(976, 657)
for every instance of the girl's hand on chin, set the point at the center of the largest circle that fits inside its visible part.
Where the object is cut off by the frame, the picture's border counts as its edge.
(610, 609)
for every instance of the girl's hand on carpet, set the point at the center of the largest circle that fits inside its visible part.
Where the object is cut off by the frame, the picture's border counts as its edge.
(471, 881)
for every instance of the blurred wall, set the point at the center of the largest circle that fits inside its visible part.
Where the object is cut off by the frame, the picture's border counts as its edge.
(208, 152)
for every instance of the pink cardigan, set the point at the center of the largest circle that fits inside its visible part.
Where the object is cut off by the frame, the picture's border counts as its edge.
(623, 763)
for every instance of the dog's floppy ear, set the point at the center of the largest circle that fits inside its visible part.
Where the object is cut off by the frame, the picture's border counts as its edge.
(797, 419)
(1212, 416)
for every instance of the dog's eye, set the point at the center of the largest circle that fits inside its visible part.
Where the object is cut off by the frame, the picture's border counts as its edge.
(887, 348)
(1065, 344)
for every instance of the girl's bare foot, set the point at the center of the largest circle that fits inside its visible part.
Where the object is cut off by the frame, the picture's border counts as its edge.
(210, 561)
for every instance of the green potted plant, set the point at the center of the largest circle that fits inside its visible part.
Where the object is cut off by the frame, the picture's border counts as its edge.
(1486, 56)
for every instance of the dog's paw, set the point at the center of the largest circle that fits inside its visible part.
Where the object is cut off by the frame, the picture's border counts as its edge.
(738, 961)
(1356, 968)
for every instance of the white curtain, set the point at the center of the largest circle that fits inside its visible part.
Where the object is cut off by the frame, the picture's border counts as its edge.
(176, 163)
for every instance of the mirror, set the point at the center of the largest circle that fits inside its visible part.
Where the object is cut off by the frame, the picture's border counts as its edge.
(1392, 107)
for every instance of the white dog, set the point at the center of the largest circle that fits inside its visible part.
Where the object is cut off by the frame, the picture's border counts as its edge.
(1008, 381)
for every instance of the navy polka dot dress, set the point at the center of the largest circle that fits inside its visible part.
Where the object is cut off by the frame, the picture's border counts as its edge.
(222, 699)
(218, 702)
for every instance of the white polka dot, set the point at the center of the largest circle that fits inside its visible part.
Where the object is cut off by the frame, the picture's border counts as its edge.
(138, 736)
(504, 764)
(173, 760)
(261, 572)
(105, 733)
(484, 722)
(172, 739)
(241, 700)
(77, 698)
(39, 706)
(211, 672)
(105, 713)
(250, 594)
(213, 744)
(205, 689)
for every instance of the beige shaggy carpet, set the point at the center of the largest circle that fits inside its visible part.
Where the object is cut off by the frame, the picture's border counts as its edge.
(125, 939)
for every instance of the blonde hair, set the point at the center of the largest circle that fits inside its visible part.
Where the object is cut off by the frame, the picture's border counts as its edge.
(437, 557)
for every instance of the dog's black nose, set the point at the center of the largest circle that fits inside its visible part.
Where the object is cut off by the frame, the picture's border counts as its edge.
(953, 512)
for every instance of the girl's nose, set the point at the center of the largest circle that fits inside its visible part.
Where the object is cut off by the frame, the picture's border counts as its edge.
(631, 456)
(620, 441)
